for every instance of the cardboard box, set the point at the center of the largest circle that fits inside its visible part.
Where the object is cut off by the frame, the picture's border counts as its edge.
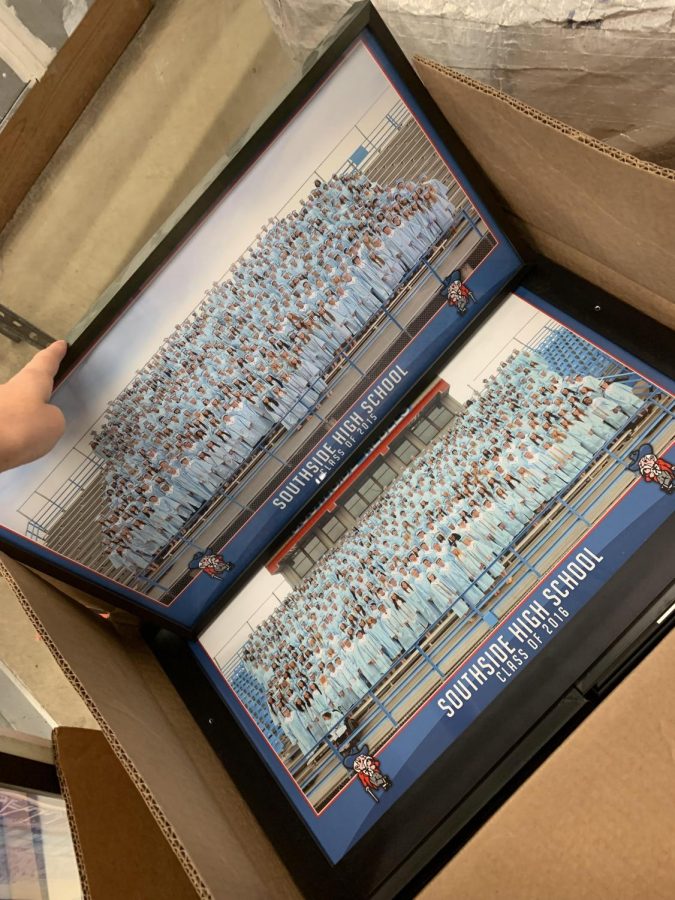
(601, 213)
(51, 107)
(595, 819)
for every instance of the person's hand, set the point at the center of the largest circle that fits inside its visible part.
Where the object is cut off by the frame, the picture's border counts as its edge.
(29, 425)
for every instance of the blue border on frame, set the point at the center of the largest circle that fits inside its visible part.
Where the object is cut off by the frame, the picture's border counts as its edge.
(423, 351)
(617, 536)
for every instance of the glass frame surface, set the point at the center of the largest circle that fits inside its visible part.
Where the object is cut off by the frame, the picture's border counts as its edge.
(200, 591)
(600, 512)
(436, 813)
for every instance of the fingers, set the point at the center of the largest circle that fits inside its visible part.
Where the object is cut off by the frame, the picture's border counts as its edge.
(42, 368)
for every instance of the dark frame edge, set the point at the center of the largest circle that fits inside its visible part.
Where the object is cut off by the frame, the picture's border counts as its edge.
(80, 582)
(245, 152)
(28, 774)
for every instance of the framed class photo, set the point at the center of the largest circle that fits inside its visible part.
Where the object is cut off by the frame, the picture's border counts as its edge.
(396, 507)
(273, 331)
(532, 468)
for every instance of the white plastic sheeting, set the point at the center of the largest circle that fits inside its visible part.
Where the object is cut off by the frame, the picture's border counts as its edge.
(607, 68)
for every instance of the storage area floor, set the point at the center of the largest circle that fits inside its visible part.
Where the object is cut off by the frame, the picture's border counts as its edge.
(194, 79)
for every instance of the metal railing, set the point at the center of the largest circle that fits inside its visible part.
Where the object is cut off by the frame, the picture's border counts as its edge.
(377, 139)
(53, 507)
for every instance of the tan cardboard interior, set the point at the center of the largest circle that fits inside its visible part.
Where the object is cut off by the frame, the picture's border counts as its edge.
(219, 844)
(33, 133)
(595, 820)
(600, 212)
(110, 823)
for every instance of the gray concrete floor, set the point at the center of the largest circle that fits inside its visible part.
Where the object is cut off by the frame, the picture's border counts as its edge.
(189, 85)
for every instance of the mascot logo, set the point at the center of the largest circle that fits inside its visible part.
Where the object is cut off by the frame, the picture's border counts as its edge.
(367, 769)
(652, 468)
(458, 294)
(212, 564)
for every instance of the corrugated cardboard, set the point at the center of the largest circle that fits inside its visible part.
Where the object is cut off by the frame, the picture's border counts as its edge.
(603, 214)
(51, 107)
(120, 849)
(596, 819)
(215, 837)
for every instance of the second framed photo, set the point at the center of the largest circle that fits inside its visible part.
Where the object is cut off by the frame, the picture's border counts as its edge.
(535, 466)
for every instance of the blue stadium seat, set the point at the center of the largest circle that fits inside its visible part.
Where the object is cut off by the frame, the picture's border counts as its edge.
(358, 156)
(567, 354)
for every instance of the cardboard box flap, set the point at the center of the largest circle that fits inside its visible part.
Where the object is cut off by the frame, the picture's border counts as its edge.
(607, 215)
(106, 811)
(596, 819)
(218, 842)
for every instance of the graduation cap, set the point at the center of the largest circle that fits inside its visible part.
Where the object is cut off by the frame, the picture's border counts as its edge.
(636, 455)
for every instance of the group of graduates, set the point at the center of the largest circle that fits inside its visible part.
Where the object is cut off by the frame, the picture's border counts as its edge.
(254, 355)
(434, 542)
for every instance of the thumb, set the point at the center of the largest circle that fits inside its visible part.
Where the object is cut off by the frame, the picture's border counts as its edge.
(52, 427)
(38, 374)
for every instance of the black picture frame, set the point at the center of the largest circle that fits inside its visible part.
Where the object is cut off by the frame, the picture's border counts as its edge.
(439, 813)
(363, 17)
(29, 774)
(518, 730)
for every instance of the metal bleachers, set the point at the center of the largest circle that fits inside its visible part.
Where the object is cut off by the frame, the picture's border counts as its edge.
(409, 154)
(553, 530)
(252, 695)
(567, 354)
(78, 533)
